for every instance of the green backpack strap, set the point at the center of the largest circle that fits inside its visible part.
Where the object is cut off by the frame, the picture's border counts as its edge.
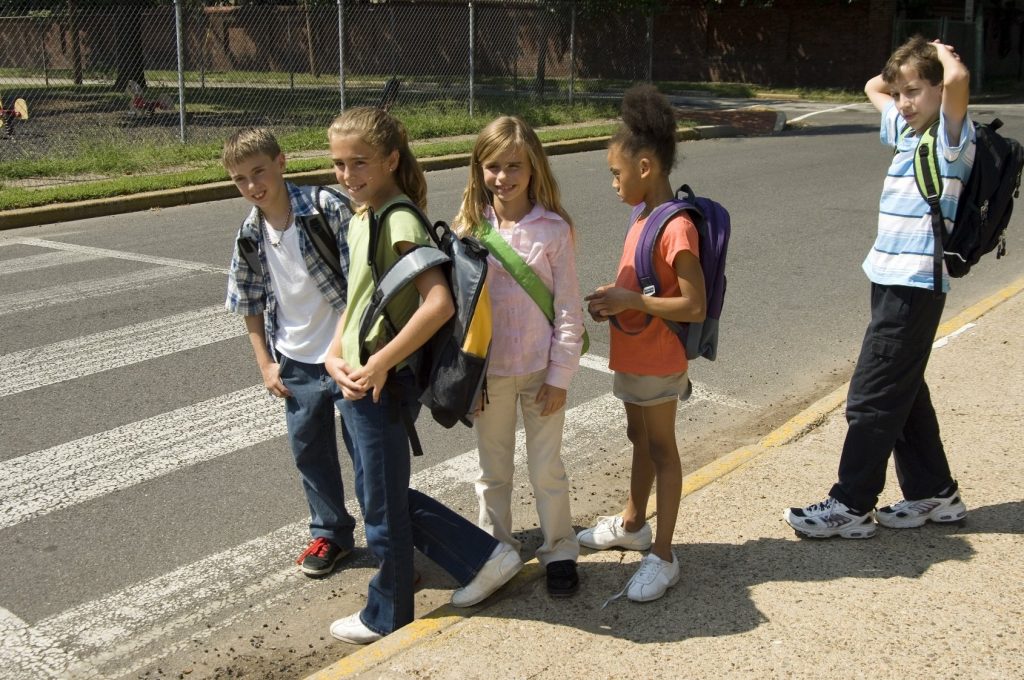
(515, 265)
(929, 183)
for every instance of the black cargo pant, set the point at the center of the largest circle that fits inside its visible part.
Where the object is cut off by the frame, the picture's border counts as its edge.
(888, 408)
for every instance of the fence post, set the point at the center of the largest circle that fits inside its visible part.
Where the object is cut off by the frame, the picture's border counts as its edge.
(42, 44)
(572, 55)
(181, 67)
(341, 52)
(472, 65)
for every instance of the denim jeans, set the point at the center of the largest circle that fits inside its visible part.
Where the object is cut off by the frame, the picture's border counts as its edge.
(309, 413)
(398, 518)
(889, 407)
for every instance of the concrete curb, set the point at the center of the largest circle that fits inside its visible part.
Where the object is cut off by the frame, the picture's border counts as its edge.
(796, 427)
(217, 191)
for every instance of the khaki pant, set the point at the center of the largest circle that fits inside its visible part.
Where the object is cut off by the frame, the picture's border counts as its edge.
(496, 437)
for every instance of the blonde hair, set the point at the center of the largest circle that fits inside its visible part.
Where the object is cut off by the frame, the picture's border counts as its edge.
(385, 133)
(500, 135)
(247, 143)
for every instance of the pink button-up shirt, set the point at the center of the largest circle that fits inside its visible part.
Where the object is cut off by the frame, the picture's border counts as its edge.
(524, 342)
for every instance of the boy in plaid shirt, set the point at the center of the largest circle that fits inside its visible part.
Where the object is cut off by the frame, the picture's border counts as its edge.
(292, 300)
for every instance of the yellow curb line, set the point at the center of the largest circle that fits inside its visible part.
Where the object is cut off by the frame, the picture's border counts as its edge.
(446, 616)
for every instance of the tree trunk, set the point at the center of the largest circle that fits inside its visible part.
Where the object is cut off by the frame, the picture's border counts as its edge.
(76, 47)
(131, 62)
(309, 41)
(543, 38)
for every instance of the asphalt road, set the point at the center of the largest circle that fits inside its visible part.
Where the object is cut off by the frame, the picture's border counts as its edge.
(149, 509)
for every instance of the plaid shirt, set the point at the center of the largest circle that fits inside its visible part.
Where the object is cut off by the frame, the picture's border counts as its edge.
(250, 294)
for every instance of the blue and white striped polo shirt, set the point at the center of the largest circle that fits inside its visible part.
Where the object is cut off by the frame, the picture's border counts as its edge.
(902, 253)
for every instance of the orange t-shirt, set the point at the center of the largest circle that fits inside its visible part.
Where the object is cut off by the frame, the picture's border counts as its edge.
(656, 350)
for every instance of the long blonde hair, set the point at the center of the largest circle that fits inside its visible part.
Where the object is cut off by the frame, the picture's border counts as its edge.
(385, 133)
(501, 134)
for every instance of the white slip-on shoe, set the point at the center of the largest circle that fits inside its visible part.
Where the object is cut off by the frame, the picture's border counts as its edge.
(351, 629)
(496, 572)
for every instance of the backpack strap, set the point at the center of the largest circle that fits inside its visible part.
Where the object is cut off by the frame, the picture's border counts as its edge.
(319, 232)
(524, 275)
(410, 265)
(643, 257)
(249, 250)
(929, 184)
(395, 279)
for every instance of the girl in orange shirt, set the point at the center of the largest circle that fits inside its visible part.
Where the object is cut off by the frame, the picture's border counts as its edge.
(649, 361)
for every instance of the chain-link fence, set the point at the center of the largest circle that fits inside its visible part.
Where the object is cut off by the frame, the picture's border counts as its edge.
(162, 70)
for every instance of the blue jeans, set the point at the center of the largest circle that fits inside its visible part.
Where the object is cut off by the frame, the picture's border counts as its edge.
(398, 518)
(309, 413)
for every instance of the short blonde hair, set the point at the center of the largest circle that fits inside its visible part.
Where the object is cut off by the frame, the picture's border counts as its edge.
(249, 142)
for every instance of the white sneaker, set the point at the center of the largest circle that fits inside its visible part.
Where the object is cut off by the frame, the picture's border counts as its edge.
(496, 572)
(351, 629)
(909, 514)
(654, 577)
(830, 518)
(609, 532)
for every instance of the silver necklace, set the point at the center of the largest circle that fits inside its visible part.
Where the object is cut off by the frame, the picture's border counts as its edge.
(271, 230)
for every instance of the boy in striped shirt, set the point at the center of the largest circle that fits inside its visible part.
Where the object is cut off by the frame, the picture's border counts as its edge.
(888, 408)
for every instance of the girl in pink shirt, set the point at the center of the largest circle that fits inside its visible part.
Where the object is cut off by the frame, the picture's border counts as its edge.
(512, 191)
(649, 362)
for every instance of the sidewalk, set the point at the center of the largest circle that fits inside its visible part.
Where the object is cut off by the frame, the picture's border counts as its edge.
(755, 601)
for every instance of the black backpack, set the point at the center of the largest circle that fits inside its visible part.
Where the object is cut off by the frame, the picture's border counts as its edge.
(985, 206)
(451, 367)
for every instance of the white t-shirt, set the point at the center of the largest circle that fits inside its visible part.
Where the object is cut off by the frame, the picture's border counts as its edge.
(305, 320)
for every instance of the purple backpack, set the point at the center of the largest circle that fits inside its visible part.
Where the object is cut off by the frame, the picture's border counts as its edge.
(713, 228)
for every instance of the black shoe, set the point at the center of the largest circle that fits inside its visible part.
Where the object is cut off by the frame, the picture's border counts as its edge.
(320, 557)
(563, 581)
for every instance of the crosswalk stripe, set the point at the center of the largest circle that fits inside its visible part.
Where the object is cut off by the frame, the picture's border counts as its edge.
(40, 483)
(81, 290)
(61, 361)
(27, 653)
(120, 255)
(20, 265)
(113, 629)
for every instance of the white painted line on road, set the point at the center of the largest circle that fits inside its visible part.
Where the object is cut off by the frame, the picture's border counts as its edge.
(700, 391)
(595, 363)
(116, 628)
(39, 483)
(944, 340)
(61, 361)
(818, 113)
(81, 290)
(26, 654)
(19, 265)
(120, 255)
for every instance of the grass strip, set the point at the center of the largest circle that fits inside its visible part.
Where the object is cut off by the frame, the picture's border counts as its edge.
(12, 198)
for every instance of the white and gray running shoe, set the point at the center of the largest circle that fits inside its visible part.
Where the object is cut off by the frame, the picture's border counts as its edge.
(830, 518)
(909, 514)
